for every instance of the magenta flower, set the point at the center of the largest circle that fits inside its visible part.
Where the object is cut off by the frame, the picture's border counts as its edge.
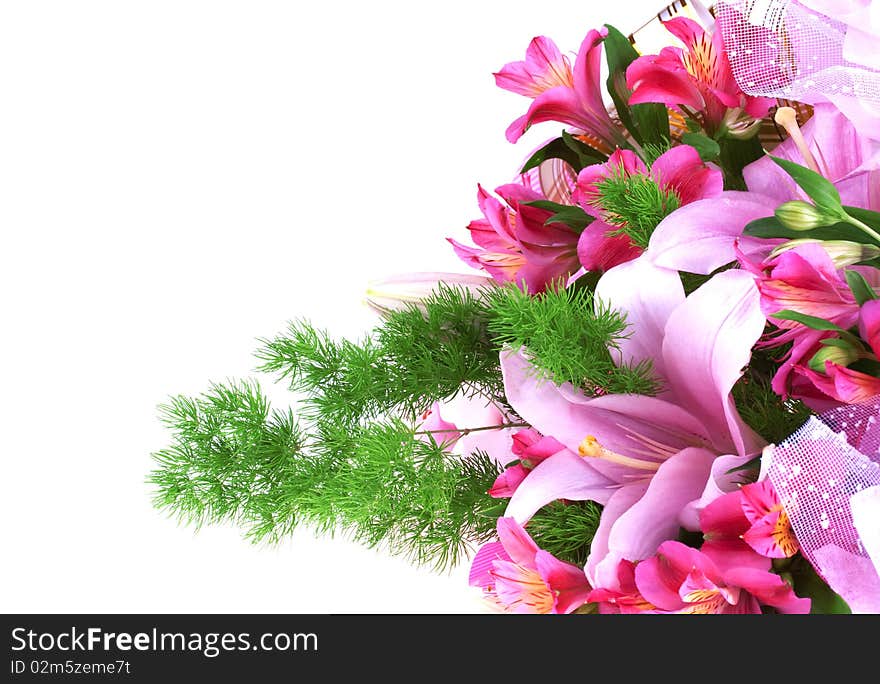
(532, 448)
(680, 579)
(844, 384)
(679, 172)
(646, 459)
(698, 79)
(803, 279)
(625, 598)
(560, 94)
(525, 579)
(515, 245)
(749, 521)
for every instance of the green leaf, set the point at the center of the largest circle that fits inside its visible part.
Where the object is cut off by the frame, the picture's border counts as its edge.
(586, 155)
(751, 464)
(735, 156)
(571, 216)
(771, 227)
(861, 290)
(709, 149)
(836, 342)
(867, 366)
(818, 188)
(575, 154)
(810, 321)
(648, 123)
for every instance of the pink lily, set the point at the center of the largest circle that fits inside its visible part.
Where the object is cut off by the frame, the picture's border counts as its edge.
(532, 448)
(845, 384)
(645, 458)
(746, 522)
(680, 579)
(679, 172)
(525, 579)
(515, 245)
(561, 94)
(698, 79)
(703, 236)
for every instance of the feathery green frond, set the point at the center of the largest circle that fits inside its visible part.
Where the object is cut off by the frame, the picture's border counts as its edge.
(566, 529)
(635, 205)
(567, 335)
(233, 459)
(415, 358)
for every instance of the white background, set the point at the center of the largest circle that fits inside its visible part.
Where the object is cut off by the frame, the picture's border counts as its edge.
(178, 178)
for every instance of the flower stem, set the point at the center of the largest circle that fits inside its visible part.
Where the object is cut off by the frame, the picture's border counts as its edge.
(467, 431)
(863, 227)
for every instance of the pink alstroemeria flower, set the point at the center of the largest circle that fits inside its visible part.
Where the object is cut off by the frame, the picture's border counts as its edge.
(680, 579)
(698, 79)
(844, 384)
(525, 579)
(532, 448)
(572, 97)
(679, 172)
(625, 598)
(646, 459)
(704, 235)
(803, 279)
(514, 244)
(749, 521)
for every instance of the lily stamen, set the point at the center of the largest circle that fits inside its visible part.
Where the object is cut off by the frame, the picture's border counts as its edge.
(590, 448)
(787, 118)
(654, 448)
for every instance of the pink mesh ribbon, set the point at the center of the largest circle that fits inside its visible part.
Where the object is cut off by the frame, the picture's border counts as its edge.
(827, 475)
(809, 50)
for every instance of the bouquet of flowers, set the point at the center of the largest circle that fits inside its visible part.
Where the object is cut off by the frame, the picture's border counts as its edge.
(661, 394)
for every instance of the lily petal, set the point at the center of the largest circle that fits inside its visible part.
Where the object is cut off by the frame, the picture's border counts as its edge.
(625, 424)
(708, 341)
(701, 237)
(602, 566)
(647, 307)
(654, 518)
(562, 476)
(724, 478)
